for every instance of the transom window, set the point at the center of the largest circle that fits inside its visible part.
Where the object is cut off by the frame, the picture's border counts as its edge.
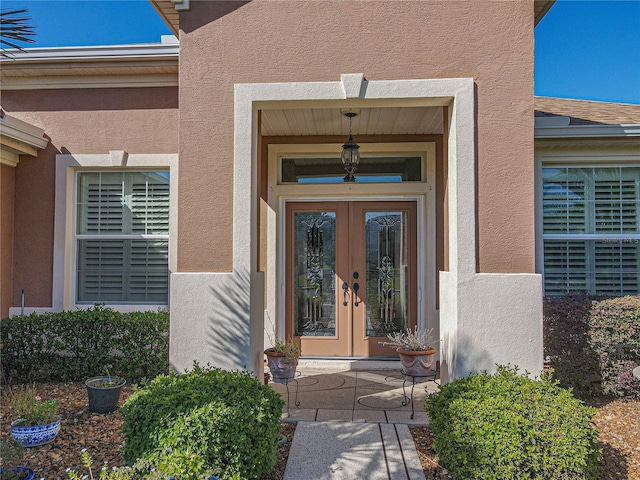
(122, 237)
(370, 170)
(591, 234)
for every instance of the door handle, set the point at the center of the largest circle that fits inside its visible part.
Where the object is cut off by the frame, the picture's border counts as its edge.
(345, 287)
(356, 287)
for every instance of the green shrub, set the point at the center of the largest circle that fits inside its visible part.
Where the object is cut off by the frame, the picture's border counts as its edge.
(507, 426)
(594, 344)
(204, 421)
(614, 335)
(76, 344)
(566, 344)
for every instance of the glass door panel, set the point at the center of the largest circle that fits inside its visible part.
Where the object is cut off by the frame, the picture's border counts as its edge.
(387, 273)
(314, 247)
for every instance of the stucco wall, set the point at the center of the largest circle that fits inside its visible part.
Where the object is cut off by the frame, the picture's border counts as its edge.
(223, 43)
(78, 121)
(7, 179)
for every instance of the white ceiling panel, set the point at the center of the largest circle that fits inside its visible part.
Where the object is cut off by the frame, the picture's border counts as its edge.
(370, 121)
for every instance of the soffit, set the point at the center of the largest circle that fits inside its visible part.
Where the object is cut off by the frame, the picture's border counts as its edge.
(540, 9)
(370, 121)
(167, 11)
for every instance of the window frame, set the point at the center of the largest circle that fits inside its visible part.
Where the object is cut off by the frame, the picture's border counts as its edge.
(576, 157)
(64, 294)
(121, 236)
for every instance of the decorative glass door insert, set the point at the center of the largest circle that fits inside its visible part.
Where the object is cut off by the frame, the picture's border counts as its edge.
(387, 273)
(351, 276)
(315, 272)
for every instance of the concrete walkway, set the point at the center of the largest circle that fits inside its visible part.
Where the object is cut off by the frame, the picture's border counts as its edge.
(353, 424)
(348, 451)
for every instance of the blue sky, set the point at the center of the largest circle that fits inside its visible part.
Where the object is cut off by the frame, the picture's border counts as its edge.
(584, 49)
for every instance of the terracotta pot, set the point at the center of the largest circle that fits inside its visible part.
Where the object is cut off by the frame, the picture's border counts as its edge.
(416, 363)
(282, 367)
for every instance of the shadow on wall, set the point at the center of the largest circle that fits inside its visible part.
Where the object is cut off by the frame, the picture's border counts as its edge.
(228, 330)
(208, 12)
(91, 100)
(469, 356)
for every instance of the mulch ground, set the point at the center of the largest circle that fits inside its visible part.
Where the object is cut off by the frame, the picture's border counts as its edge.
(619, 426)
(98, 433)
(618, 422)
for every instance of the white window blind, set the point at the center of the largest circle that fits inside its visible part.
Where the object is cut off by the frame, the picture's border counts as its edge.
(591, 220)
(122, 237)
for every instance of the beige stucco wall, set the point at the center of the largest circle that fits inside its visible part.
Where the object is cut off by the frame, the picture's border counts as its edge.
(7, 184)
(78, 121)
(223, 43)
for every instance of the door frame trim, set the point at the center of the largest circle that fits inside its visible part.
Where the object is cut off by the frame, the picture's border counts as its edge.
(423, 193)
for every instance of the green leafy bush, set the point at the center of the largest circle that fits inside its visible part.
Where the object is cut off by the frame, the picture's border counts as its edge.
(614, 335)
(508, 426)
(594, 344)
(566, 344)
(76, 344)
(205, 421)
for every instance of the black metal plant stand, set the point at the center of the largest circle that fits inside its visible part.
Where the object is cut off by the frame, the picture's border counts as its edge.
(286, 381)
(431, 376)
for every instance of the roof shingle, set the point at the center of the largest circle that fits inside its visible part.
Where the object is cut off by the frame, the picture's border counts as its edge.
(586, 112)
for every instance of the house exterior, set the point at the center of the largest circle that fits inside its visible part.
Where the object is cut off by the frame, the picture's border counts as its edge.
(206, 178)
(587, 158)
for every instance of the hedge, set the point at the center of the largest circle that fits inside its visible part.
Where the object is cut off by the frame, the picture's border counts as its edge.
(594, 344)
(76, 344)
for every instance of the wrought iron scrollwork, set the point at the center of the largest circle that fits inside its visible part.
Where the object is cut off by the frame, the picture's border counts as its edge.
(314, 274)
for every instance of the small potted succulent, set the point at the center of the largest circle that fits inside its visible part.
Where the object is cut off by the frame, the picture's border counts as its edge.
(415, 350)
(282, 359)
(38, 422)
(104, 392)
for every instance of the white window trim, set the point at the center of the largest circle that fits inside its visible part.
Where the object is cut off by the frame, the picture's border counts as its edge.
(569, 157)
(64, 278)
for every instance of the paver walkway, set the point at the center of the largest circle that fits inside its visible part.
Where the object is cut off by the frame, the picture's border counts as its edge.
(354, 396)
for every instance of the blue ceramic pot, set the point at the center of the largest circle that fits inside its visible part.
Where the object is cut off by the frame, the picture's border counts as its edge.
(33, 436)
(27, 472)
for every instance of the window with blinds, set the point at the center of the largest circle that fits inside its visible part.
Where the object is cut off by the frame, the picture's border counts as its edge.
(591, 230)
(122, 237)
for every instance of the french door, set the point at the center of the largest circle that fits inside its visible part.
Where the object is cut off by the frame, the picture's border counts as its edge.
(350, 275)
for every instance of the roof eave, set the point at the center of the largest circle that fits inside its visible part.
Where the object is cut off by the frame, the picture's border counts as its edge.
(587, 131)
(540, 9)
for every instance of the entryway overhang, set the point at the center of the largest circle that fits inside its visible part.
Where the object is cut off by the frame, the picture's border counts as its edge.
(484, 319)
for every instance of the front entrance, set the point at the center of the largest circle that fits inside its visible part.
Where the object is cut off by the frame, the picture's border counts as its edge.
(350, 275)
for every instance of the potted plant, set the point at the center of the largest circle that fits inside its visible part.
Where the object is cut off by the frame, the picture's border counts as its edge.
(104, 392)
(282, 359)
(12, 453)
(38, 422)
(16, 473)
(415, 350)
